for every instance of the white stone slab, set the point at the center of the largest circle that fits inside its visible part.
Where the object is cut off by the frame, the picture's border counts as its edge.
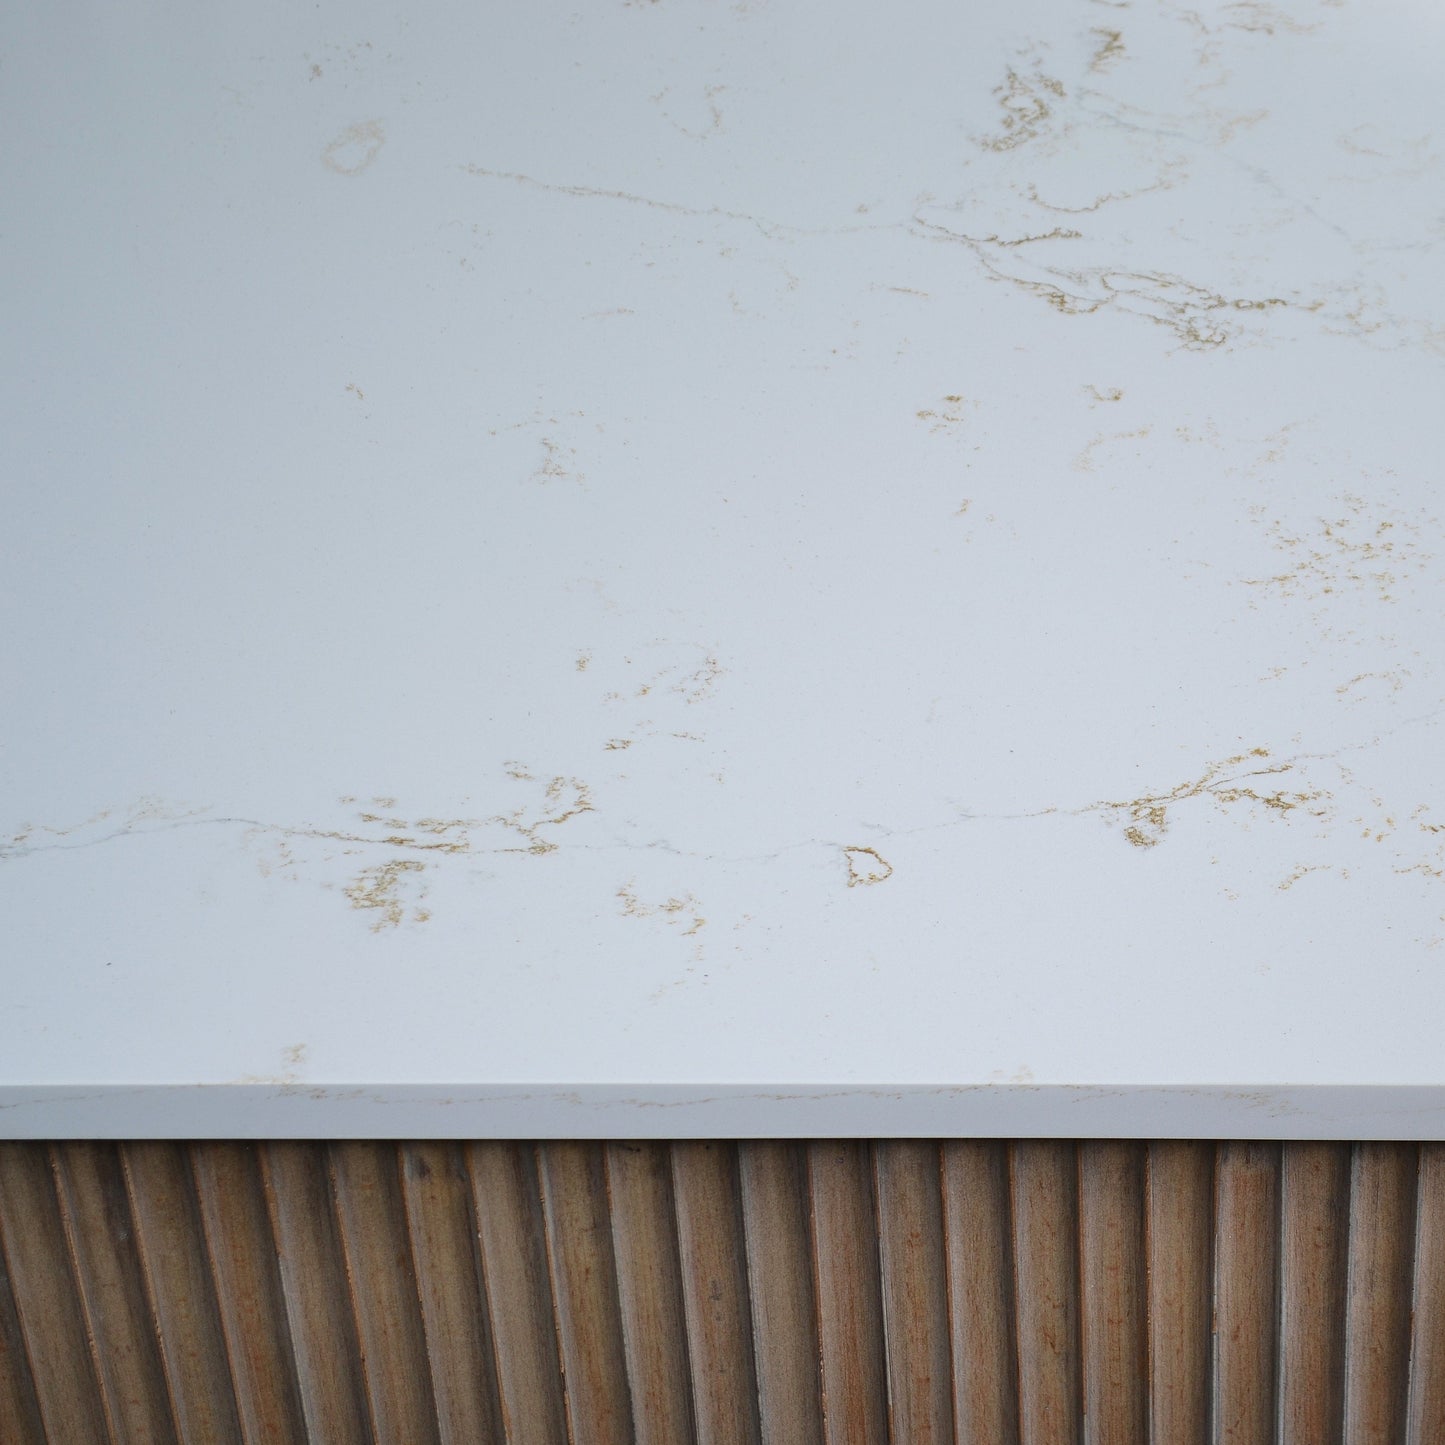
(678, 567)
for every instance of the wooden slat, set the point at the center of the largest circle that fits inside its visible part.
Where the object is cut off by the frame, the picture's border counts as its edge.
(47, 1303)
(978, 1221)
(584, 1291)
(1427, 1353)
(1111, 1269)
(182, 1292)
(649, 1290)
(98, 1226)
(850, 1314)
(1180, 1225)
(1314, 1242)
(318, 1303)
(715, 1292)
(1382, 1248)
(19, 1409)
(1246, 1275)
(374, 1241)
(915, 1291)
(776, 1209)
(1046, 1272)
(437, 1193)
(242, 1252)
(519, 1295)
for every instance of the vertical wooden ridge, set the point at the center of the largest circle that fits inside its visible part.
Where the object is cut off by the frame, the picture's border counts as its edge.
(1046, 1282)
(711, 1246)
(318, 1305)
(1180, 1243)
(776, 1213)
(1382, 1257)
(978, 1227)
(649, 1290)
(1246, 1293)
(47, 1301)
(508, 1205)
(584, 1292)
(19, 1409)
(1314, 1255)
(436, 1195)
(242, 1251)
(1112, 1285)
(376, 1248)
(127, 1347)
(849, 1303)
(909, 1194)
(182, 1291)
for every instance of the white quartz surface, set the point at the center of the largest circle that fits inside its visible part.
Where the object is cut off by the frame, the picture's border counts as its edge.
(637, 568)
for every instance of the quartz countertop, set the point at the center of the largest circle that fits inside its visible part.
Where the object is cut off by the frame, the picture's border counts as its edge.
(723, 569)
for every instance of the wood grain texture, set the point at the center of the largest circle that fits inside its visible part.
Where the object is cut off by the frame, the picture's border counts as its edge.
(47, 1302)
(850, 1311)
(1427, 1350)
(968, 1291)
(715, 1292)
(1314, 1244)
(776, 1212)
(1246, 1292)
(439, 1220)
(1377, 1324)
(1179, 1217)
(242, 1251)
(19, 1409)
(1046, 1276)
(318, 1303)
(384, 1300)
(508, 1205)
(126, 1344)
(1112, 1280)
(182, 1291)
(649, 1290)
(915, 1290)
(978, 1220)
(584, 1292)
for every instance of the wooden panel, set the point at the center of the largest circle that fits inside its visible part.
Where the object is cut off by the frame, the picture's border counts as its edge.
(47, 1302)
(968, 1291)
(384, 1298)
(1246, 1293)
(1180, 1230)
(242, 1250)
(442, 1229)
(1046, 1274)
(649, 1290)
(519, 1295)
(776, 1210)
(584, 1290)
(1427, 1355)
(1111, 1264)
(850, 1314)
(318, 1303)
(1382, 1246)
(715, 1292)
(182, 1292)
(978, 1219)
(98, 1229)
(915, 1291)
